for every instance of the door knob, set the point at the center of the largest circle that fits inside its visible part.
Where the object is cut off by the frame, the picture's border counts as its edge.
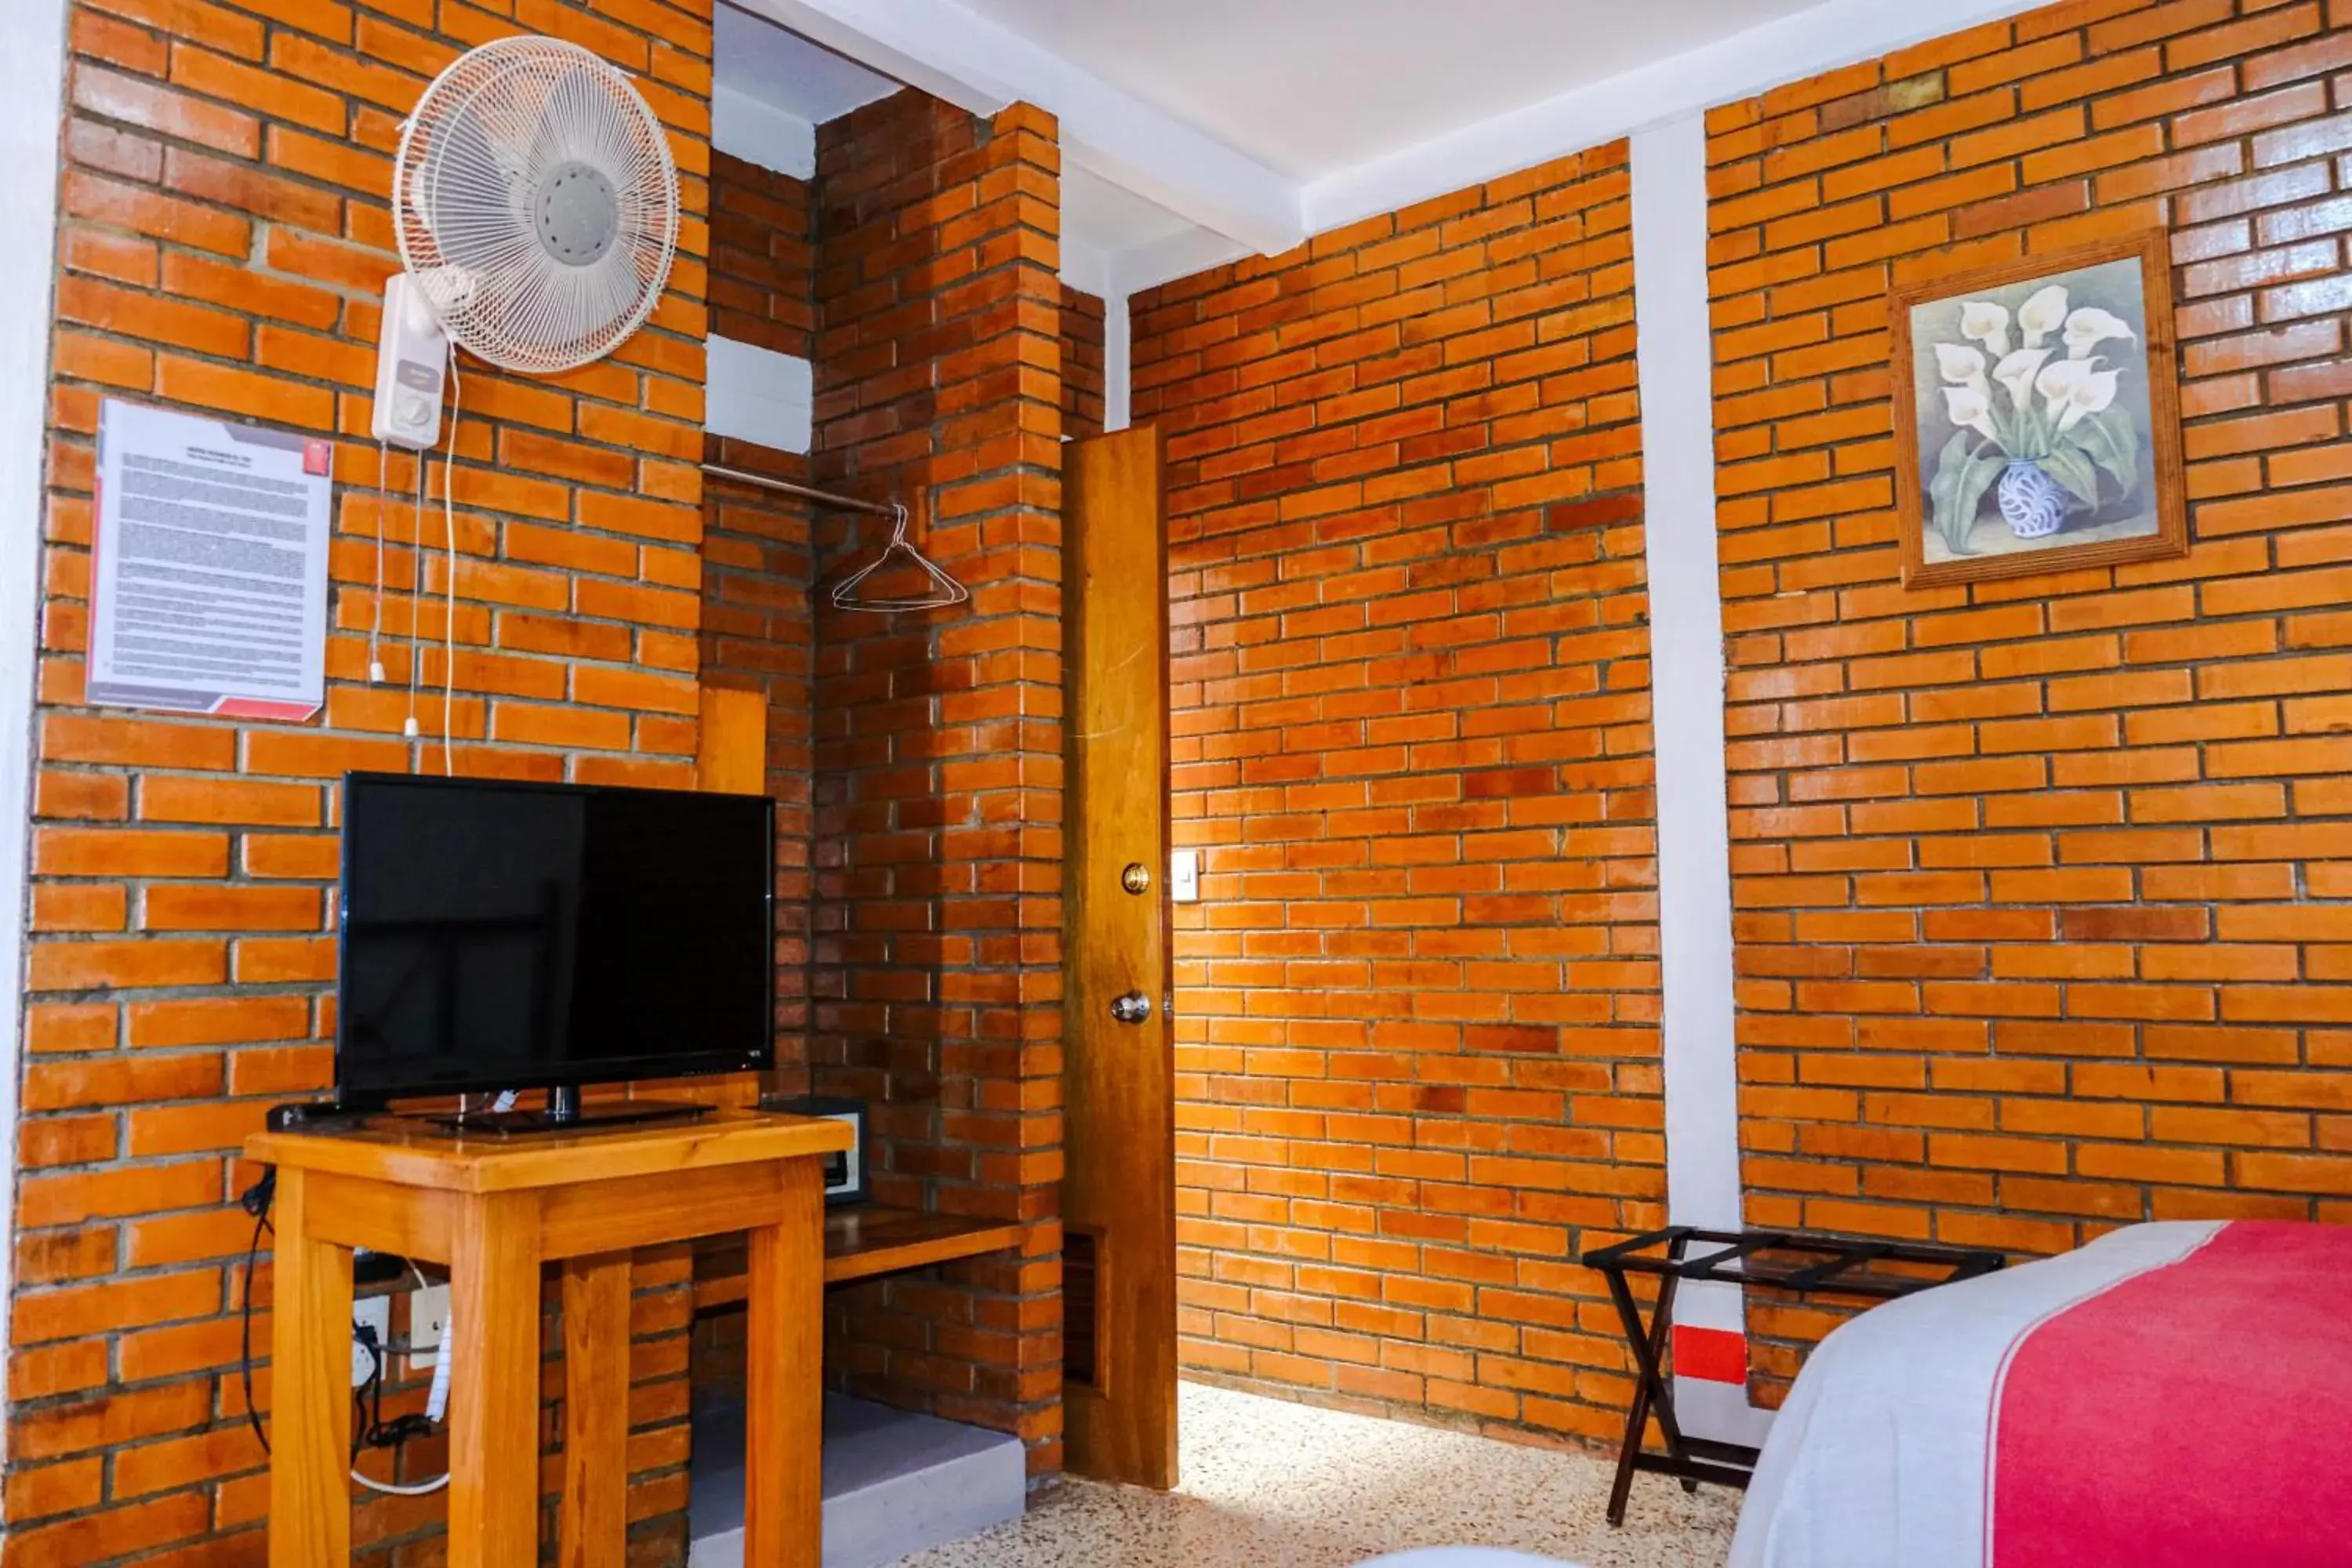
(1132, 1008)
(1135, 878)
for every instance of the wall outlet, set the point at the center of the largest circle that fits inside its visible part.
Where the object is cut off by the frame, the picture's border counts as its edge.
(375, 1313)
(428, 1325)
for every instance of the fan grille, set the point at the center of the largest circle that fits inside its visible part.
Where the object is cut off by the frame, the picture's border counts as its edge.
(536, 202)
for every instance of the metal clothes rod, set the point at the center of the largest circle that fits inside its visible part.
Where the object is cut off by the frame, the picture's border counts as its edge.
(806, 492)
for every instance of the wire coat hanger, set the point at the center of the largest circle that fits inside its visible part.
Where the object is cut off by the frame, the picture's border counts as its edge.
(945, 590)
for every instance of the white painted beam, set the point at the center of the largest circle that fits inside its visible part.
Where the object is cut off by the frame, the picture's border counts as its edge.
(1835, 34)
(1181, 255)
(1676, 353)
(890, 38)
(954, 54)
(743, 127)
(32, 95)
(1084, 267)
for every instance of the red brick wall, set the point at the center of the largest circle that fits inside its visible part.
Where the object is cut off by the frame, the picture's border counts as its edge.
(937, 965)
(758, 631)
(2041, 883)
(1082, 364)
(225, 235)
(758, 634)
(1417, 1006)
(762, 258)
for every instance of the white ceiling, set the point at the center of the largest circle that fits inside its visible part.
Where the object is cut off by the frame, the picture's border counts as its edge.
(1311, 86)
(1194, 131)
(807, 85)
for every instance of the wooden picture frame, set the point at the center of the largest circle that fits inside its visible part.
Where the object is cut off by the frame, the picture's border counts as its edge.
(2074, 332)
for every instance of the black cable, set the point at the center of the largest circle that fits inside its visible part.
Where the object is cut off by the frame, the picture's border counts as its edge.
(255, 1202)
(369, 1428)
(398, 1431)
(366, 1334)
(374, 1431)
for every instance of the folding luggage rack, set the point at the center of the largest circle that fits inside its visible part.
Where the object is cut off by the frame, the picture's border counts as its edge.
(1827, 1265)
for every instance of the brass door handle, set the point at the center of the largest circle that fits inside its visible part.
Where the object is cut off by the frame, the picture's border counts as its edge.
(1132, 1008)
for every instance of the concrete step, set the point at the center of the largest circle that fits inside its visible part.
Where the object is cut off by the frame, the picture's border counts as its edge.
(895, 1483)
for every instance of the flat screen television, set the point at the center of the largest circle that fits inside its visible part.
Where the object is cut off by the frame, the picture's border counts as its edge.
(499, 935)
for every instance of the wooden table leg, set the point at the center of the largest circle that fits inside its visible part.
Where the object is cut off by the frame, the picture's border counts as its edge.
(310, 1376)
(593, 1526)
(493, 1382)
(783, 1503)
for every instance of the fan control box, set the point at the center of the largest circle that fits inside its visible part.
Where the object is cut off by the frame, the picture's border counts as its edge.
(412, 362)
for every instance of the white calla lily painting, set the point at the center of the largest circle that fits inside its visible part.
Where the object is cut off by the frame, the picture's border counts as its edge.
(2044, 423)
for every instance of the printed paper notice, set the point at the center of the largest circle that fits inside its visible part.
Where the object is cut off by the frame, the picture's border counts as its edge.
(209, 586)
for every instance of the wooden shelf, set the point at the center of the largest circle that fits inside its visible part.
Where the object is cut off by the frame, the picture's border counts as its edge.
(860, 1243)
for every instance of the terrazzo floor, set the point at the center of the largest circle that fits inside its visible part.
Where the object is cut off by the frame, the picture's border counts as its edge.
(1268, 1484)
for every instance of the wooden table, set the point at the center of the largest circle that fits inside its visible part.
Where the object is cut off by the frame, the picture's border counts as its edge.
(493, 1210)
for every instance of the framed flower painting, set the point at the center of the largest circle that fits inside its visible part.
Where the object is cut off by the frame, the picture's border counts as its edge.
(2038, 416)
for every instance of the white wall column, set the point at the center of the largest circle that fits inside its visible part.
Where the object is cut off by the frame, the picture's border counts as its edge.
(1119, 361)
(1687, 674)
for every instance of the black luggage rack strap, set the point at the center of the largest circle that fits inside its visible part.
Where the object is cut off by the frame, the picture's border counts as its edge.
(1830, 1264)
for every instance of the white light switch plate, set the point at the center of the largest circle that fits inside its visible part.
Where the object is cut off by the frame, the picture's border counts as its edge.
(1184, 876)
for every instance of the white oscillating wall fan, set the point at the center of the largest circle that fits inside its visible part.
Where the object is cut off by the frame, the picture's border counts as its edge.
(535, 203)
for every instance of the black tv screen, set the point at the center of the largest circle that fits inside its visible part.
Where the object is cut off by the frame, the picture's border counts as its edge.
(500, 935)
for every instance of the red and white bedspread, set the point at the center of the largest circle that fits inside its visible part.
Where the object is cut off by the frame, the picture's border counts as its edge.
(2170, 1396)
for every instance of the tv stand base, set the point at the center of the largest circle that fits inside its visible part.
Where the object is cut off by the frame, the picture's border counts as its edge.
(574, 1117)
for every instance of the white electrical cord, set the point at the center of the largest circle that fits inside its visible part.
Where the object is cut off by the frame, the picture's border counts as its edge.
(436, 1403)
(375, 627)
(390, 1488)
(449, 589)
(416, 593)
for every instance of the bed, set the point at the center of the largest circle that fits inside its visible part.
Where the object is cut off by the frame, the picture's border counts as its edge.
(2171, 1394)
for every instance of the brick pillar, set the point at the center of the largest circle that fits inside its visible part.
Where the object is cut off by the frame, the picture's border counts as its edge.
(1082, 364)
(937, 967)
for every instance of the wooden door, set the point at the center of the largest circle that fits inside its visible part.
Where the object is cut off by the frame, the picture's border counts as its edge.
(1118, 1194)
